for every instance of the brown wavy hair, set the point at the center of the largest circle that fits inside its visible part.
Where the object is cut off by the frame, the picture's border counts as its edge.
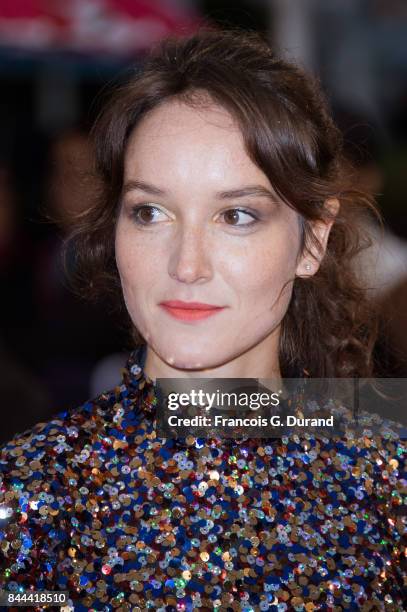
(329, 328)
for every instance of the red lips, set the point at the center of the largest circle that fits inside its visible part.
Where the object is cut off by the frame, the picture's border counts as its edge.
(190, 311)
(188, 305)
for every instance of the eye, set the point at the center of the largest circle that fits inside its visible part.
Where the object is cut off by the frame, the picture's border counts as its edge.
(234, 213)
(143, 214)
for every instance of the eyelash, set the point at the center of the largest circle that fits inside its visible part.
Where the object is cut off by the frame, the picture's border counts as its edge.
(136, 209)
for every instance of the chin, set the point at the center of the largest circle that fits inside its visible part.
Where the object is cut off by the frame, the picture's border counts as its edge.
(187, 359)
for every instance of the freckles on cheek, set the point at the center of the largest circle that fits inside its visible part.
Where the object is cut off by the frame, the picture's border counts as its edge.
(257, 269)
(260, 278)
(128, 268)
(127, 250)
(138, 274)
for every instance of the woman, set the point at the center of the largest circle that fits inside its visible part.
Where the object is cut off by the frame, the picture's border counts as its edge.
(223, 183)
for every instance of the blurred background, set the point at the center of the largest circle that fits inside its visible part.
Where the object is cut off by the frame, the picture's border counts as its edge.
(56, 57)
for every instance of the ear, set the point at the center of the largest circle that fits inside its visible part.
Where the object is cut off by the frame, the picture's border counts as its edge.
(310, 260)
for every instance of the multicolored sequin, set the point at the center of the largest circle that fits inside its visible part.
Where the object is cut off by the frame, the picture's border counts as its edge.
(95, 503)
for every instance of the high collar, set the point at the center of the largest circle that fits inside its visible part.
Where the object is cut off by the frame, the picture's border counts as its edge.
(146, 390)
(133, 373)
(136, 380)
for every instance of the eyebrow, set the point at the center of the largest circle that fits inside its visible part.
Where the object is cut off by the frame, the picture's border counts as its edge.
(249, 190)
(142, 186)
(242, 192)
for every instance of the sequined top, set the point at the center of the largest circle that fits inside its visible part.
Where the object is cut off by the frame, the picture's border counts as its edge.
(94, 502)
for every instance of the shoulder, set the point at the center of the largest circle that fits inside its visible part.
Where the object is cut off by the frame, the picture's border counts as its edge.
(44, 441)
(370, 466)
(374, 448)
(40, 474)
(64, 433)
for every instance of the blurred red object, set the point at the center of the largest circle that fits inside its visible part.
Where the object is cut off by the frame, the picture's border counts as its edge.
(92, 26)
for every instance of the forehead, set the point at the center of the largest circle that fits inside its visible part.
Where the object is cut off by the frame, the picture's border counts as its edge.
(178, 118)
(199, 140)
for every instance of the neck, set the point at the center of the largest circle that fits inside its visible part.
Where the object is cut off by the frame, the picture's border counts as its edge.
(260, 361)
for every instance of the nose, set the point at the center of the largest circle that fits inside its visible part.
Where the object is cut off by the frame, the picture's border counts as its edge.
(189, 261)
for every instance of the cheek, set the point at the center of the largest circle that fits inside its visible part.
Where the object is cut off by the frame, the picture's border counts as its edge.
(131, 264)
(259, 275)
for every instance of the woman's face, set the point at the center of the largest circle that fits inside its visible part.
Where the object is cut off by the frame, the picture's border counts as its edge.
(209, 230)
